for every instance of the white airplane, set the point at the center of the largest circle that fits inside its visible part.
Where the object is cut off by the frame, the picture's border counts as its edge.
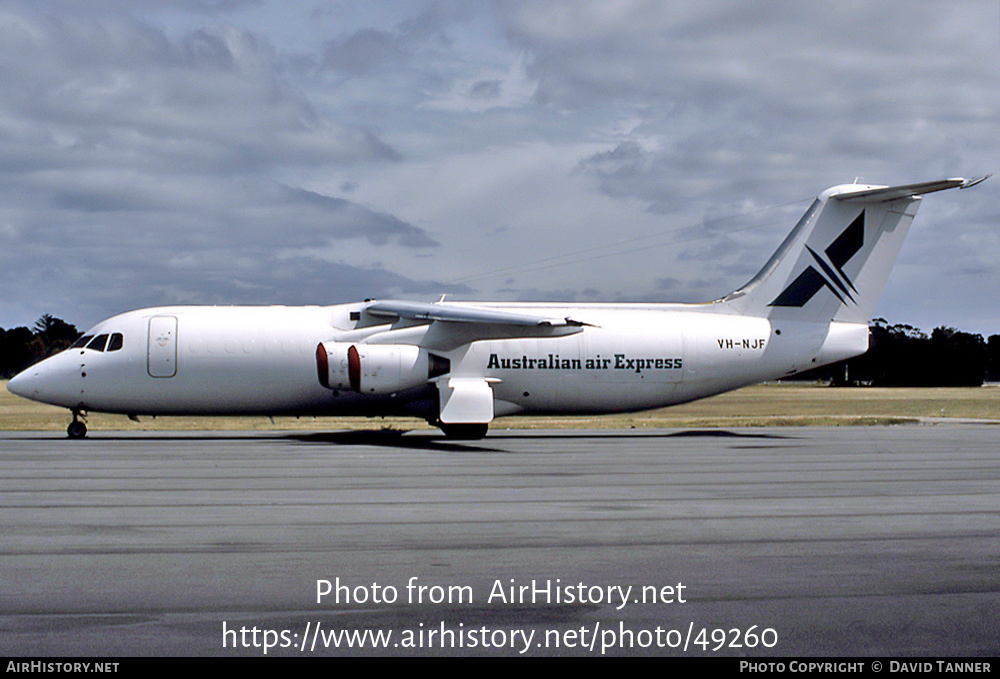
(459, 365)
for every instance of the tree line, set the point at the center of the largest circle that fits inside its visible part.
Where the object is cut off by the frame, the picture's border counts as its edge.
(898, 355)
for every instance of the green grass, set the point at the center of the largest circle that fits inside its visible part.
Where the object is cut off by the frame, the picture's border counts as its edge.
(762, 405)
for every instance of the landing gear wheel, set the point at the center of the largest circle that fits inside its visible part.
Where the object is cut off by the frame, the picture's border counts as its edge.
(465, 432)
(76, 430)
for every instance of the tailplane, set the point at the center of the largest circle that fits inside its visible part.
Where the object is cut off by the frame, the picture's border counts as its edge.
(835, 262)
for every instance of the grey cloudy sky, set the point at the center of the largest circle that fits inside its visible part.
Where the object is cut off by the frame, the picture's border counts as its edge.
(257, 152)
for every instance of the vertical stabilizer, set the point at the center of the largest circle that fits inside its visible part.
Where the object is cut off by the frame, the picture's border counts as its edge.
(836, 261)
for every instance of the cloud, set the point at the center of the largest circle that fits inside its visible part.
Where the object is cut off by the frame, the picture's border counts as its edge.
(213, 99)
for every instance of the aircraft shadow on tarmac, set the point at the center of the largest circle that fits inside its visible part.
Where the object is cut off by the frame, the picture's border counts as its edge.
(388, 438)
(394, 438)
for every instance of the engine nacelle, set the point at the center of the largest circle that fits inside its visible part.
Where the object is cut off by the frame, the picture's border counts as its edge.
(375, 368)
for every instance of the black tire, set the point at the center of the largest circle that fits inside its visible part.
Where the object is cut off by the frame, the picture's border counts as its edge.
(465, 432)
(76, 430)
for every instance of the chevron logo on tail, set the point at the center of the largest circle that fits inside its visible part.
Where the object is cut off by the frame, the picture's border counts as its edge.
(831, 269)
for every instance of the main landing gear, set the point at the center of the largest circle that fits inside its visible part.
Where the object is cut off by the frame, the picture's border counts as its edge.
(77, 429)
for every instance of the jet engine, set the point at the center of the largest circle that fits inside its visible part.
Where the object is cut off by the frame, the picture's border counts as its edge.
(376, 368)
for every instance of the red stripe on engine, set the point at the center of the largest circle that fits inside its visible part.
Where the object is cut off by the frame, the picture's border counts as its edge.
(354, 368)
(322, 365)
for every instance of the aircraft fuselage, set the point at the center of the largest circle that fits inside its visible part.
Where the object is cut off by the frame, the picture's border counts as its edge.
(262, 361)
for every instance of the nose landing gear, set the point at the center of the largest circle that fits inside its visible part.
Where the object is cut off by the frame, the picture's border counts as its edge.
(77, 429)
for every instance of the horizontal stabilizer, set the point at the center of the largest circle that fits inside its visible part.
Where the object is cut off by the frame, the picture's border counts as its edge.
(888, 193)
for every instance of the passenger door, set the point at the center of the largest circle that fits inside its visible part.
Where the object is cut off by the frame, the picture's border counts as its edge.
(162, 347)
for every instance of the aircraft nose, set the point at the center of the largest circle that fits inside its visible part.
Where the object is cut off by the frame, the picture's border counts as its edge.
(20, 384)
(47, 382)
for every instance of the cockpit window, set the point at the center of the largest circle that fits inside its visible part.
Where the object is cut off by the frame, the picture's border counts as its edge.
(100, 342)
(97, 344)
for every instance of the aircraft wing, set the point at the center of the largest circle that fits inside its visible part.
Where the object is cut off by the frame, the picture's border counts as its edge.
(456, 324)
(421, 311)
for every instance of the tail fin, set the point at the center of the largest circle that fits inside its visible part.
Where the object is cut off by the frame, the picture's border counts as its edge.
(835, 262)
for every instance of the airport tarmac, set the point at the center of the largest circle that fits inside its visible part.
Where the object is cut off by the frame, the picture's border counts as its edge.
(871, 541)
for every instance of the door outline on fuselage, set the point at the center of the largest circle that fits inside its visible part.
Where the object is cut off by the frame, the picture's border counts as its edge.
(161, 348)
